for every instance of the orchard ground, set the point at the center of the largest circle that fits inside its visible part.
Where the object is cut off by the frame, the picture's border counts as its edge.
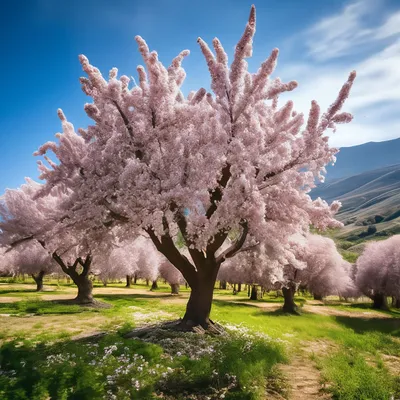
(51, 349)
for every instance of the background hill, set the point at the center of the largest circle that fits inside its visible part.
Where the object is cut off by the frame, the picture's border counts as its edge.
(365, 157)
(370, 199)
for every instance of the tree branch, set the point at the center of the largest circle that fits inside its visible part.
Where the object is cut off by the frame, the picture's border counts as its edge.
(236, 246)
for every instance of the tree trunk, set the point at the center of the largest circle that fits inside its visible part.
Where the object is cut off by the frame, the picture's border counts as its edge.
(239, 288)
(174, 288)
(128, 281)
(255, 295)
(39, 280)
(380, 302)
(154, 285)
(318, 296)
(289, 305)
(248, 290)
(186, 285)
(81, 280)
(85, 290)
(135, 279)
(147, 282)
(234, 288)
(199, 305)
(222, 285)
(397, 303)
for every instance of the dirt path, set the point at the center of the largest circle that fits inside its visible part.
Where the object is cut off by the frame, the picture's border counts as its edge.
(304, 379)
(302, 375)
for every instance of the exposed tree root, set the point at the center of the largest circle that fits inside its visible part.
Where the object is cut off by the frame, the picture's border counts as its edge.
(178, 326)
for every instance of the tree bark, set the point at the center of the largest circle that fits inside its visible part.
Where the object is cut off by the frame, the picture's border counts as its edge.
(128, 281)
(85, 290)
(199, 305)
(135, 279)
(239, 287)
(154, 285)
(289, 305)
(397, 303)
(234, 288)
(39, 280)
(255, 295)
(248, 290)
(318, 296)
(147, 282)
(174, 288)
(222, 285)
(380, 301)
(81, 280)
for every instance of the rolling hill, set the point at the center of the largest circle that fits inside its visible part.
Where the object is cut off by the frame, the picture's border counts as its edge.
(365, 157)
(369, 198)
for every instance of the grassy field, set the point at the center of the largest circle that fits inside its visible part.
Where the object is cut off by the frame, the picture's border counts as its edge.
(54, 350)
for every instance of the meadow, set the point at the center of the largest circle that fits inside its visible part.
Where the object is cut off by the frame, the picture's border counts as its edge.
(51, 349)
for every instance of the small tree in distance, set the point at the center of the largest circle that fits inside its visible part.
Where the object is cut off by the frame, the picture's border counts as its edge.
(378, 271)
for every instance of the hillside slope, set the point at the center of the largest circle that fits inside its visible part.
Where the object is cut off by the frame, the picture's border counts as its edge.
(365, 157)
(368, 198)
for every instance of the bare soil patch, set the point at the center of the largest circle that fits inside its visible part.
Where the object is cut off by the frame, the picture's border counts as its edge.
(303, 376)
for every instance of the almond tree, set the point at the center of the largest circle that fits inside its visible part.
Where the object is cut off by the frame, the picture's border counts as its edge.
(378, 271)
(26, 218)
(168, 272)
(234, 160)
(31, 258)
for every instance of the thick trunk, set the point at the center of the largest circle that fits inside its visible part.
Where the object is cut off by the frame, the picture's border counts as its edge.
(85, 290)
(147, 282)
(199, 305)
(222, 285)
(39, 280)
(128, 281)
(317, 296)
(154, 285)
(255, 293)
(380, 301)
(174, 288)
(234, 288)
(239, 288)
(289, 305)
(135, 279)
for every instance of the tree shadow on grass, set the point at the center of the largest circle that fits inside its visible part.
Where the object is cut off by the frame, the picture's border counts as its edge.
(18, 291)
(389, 326)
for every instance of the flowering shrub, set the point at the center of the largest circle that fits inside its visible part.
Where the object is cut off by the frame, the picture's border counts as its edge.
(167, 365)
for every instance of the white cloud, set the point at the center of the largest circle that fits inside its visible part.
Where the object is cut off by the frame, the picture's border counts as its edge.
(375, 96)
(349, 31)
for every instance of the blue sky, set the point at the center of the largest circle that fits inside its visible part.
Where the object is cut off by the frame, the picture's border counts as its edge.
(320, 42)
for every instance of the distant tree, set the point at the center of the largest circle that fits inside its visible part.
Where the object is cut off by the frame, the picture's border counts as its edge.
(168, 272)
(32, 259)
(25, 217)
(378, 271)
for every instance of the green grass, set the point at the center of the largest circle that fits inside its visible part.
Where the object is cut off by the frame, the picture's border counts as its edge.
(350, 377)
(40, 328)
(236, 366)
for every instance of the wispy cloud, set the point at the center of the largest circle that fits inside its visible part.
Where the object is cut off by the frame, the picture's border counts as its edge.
(357, 26)
(375, 97)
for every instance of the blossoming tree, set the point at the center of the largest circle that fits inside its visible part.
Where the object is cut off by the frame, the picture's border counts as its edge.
(378, 271)
(31, 258)
(44, 220)
(233, 160)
